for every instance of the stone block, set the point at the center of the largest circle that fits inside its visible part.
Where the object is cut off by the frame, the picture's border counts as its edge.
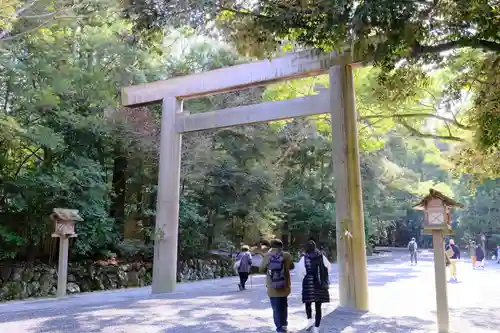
(72, 288)
(40, 280)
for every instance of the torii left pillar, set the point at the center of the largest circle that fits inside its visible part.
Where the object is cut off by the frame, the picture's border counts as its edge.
(167, 208)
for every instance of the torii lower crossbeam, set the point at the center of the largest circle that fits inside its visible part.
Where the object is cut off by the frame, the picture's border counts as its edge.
(337, 100)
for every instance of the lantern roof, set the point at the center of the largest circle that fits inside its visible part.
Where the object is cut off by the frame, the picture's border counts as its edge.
(433, 194)
(66, 214)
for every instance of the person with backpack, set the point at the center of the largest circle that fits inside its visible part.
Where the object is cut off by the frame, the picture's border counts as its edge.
(412, 247)
(244, 265)
(277, 265)
(453, 254)
(314, 269)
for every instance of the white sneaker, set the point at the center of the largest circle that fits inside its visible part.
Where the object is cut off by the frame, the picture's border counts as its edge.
(315, 330)
(310, 323)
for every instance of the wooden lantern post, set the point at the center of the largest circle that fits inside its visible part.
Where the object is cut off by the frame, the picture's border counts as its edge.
(437, 222)
(64, 225)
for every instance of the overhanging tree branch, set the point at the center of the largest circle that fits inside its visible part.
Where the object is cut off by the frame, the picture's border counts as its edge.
(244, 12)
(21, 34)
(427, 12)
(16, 14)
(476, 43)
(23, 162)
(64, 12)
(419, 115)
(417, 133)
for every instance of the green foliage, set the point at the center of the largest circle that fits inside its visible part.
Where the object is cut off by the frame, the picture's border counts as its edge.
(135, 249)
(481, 213)
(405, 39)
(487, 103)
(65, 142)
(54, 151)
(385, 30)
(192, 228)
(9, 240)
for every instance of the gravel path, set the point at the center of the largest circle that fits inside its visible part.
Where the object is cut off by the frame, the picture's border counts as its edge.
(401, 297)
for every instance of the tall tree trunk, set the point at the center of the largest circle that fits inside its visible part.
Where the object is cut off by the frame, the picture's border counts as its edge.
(140, 203)
(117, 210)
(285, 236)
(47, 158)
(31, 252)
(151, 220)
(211, 229)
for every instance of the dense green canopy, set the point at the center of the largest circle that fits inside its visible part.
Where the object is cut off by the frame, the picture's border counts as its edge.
(415, 35)
(66, 142)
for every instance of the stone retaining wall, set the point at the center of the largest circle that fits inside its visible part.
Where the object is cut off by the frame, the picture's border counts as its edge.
(25, 281)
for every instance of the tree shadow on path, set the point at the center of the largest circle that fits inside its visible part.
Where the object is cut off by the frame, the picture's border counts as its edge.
(364, 322)
(199, 307)
(470, 318)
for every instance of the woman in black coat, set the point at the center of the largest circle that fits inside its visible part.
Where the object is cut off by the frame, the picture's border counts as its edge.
(314, 268)
(480, 256)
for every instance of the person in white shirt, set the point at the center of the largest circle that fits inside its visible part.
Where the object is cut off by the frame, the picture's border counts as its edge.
(314, 269)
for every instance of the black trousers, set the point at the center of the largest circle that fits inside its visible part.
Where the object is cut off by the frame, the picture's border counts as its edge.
(318, 315)
(243, 278)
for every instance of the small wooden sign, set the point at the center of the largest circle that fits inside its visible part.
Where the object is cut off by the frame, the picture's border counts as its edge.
(64, 222)
(437, 208)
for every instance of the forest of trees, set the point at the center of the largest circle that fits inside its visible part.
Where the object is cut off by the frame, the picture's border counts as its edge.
(426, 119)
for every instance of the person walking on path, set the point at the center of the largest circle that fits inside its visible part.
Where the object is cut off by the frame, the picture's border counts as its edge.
(412, 247)
(472, 252)
(480, 256)
(453, 253)
(314, 269)
(244, 260)
(277, 265)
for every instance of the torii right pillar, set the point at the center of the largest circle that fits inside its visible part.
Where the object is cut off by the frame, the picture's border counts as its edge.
(351, 248)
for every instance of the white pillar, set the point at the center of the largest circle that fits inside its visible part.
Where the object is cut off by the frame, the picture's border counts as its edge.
(167, 208)
(62, 267)
(351, 252)
(443, 317)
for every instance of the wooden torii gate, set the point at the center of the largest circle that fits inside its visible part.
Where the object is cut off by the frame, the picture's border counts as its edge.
(338, 100)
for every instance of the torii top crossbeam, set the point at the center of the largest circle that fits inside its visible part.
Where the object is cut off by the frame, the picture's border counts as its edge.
(258, 73)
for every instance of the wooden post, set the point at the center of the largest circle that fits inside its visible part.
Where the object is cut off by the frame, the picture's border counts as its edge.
(167, 208)
(62, 267)
(351, 254)
(64, 222)
(443, 317)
